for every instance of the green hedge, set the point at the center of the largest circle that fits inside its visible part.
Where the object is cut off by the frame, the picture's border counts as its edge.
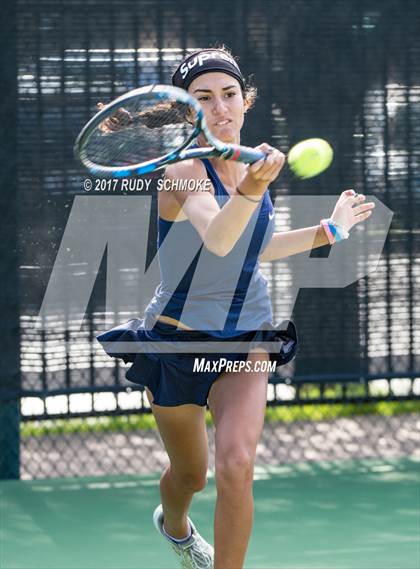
(285, 414)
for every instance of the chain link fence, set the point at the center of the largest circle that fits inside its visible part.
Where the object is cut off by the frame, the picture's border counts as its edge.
(340, 70)
(304, 422)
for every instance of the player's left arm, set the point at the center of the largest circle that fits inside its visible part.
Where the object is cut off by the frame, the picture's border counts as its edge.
(289, 243)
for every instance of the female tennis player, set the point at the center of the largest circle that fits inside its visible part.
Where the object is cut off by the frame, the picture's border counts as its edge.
(226, 298)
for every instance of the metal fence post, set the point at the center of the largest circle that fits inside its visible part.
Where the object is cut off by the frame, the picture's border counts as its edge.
(9, 439)
(9, 254)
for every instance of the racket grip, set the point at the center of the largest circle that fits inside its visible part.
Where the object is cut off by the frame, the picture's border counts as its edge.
(244, 154)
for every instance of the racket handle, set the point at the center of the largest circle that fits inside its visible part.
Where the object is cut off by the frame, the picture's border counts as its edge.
(243, 154)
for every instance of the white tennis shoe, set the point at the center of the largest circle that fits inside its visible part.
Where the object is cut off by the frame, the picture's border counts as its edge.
(194, 552)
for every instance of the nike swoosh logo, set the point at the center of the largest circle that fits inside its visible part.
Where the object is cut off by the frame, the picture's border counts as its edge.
(271, 215)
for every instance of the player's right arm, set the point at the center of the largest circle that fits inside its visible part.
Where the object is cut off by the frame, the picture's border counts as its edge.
(220, 228)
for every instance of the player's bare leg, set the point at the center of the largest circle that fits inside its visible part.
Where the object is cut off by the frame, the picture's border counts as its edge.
(237, 402)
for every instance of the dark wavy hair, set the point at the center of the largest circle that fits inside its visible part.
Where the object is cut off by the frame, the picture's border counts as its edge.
(167, 113)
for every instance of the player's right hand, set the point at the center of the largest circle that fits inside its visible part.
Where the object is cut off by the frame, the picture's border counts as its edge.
(267, 169)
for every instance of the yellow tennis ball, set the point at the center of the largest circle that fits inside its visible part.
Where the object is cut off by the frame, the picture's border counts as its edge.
(310, 157)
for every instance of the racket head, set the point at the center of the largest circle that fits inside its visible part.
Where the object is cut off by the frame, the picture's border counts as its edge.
(142, 131)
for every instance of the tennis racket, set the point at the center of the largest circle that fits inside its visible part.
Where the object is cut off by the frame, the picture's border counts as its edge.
(147, 129)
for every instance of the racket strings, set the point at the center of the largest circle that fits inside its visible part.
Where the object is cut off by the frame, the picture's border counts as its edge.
(142, 129)
(165, 114)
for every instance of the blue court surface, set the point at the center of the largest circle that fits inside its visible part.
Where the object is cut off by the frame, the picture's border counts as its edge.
(316, 515)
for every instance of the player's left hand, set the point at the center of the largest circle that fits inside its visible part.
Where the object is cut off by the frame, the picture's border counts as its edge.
(351, 209)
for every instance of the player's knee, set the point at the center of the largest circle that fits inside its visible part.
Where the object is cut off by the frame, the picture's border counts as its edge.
(192, 481)
(234, 469)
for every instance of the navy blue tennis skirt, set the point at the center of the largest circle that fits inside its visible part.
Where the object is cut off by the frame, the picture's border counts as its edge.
(172, 375)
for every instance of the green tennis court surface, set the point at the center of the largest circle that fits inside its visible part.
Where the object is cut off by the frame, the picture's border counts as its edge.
(340, 515)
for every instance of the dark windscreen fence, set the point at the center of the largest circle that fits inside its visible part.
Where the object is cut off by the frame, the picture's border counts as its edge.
(346, 71)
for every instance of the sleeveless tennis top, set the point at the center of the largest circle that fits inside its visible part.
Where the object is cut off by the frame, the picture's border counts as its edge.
(223, 296)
